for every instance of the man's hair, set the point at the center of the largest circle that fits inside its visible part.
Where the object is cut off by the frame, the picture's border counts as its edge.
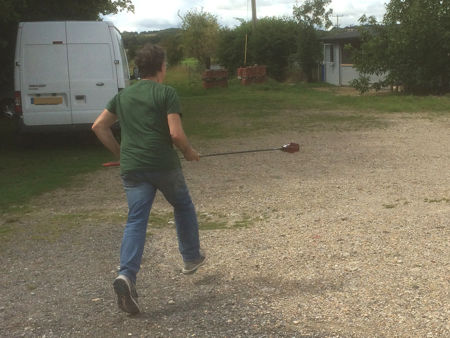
(149, 60)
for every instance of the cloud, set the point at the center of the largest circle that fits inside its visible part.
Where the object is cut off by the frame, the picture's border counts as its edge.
(152, 15)
(350, 11)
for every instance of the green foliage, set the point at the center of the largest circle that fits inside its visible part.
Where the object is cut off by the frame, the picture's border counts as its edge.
(14, 11)
(200, 35)
(174, 48)
(231, 46)
(361, 84)
(411, 46)
(309, 51)
(37, 10)
(271, 43)
(310, 15)
(313, 13)
(169, 39)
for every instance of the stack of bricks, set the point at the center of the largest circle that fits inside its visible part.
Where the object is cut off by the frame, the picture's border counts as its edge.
(215, 78)
(252, 74)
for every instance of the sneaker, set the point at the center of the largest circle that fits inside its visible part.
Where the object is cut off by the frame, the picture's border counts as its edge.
(191, 266)
(127, 297)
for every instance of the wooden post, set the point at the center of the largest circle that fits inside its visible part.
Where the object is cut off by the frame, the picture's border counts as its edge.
(245, 51)
(254, 13)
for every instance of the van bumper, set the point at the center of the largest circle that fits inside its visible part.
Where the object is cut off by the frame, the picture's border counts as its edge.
(57, 128)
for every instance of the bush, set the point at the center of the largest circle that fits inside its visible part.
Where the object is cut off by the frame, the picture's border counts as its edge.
(361, 84)
(272, 43)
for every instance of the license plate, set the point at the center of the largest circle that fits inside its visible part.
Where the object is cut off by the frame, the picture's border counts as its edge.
(54, 100)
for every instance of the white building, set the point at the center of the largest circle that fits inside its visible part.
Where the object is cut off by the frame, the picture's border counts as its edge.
(337, 64)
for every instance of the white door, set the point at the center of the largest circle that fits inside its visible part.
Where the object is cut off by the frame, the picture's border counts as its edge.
(45, 84)
(93, 79)
(331, 64)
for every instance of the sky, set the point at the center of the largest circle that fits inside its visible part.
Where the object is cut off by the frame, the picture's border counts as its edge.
(153, 15)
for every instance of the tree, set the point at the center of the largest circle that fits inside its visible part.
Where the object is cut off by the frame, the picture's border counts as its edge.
(174, 50)
(169, 39)
(311, 15)
(231, 46)
(200, 35)
(38, 10)
(411, 46)
(14, 11)
(271, 43)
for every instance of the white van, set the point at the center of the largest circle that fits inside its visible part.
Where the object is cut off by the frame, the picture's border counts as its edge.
(66, 72)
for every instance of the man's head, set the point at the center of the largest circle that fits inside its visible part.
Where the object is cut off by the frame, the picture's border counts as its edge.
(150, 60)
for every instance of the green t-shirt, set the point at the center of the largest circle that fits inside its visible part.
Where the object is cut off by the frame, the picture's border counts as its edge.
(142, 111)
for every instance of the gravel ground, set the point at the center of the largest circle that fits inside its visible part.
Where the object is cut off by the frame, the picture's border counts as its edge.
(347, 238)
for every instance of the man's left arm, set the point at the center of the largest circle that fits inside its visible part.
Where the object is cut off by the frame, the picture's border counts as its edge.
(102, 128)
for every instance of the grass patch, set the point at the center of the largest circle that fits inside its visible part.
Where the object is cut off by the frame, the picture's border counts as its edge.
(207, 221)
(50, 162)
(245, 222)
(51, 228)
(389, 206)
(437, 200)
(5, 230)
(237, 111)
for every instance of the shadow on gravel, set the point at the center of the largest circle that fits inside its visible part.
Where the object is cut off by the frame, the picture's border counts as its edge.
(216, 306)
(210, 303)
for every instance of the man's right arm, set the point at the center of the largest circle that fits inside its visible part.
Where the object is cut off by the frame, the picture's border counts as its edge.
(102, 128)
(180, 139)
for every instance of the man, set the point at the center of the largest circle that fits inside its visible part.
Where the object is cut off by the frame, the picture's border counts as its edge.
(150, 121)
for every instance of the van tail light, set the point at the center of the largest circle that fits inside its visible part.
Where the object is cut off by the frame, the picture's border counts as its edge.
(18, 103)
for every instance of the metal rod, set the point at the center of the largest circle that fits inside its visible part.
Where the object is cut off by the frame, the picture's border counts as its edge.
(240, 152)
(288, 148)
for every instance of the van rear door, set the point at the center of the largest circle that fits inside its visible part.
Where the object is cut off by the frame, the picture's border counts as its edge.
(44, 78)
(93, 75)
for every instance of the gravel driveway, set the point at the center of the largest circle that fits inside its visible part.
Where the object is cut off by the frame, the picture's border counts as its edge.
(347, 238)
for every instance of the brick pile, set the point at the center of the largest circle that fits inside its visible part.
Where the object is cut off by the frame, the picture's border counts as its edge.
(252, 74)
(212, 78)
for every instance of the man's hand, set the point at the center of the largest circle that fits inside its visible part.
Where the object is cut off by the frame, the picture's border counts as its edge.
(191, 155)
(179, 138)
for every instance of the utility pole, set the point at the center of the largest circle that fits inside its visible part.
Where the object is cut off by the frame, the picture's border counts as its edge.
(337, 19)
(254, 13)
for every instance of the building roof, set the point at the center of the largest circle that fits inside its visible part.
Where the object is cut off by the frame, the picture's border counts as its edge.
(340, 35)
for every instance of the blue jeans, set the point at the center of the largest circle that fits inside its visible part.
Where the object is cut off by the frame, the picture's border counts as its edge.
(140, 188)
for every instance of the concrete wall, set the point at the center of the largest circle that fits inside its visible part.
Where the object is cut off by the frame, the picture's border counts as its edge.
(348, 73)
